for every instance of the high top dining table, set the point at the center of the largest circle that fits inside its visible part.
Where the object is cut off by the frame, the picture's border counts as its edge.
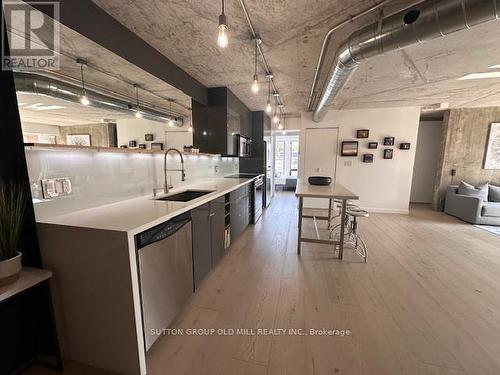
(330, 192)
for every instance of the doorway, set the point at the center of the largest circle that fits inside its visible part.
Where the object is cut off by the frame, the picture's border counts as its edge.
(286, 161)
(426, 159)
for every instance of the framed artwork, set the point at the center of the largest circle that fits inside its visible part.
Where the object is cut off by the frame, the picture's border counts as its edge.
(149, 137)
(132, 143)
(389, 141)
(372, 145)
(492, 158)
(349, 148)
(142, 146)
(157, 146)
(78, 139)
(367, 158)
(388, 152)
(362, 133)
(404, 146)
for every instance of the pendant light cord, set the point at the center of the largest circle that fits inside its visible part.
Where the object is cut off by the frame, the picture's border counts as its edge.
(137, 95)
(83, 81)
(222, 6)
(256, 57)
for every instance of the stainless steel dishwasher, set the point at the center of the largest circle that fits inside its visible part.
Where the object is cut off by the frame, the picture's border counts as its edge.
(165, 265)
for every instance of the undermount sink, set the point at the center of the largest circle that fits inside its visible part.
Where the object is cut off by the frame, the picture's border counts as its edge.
(185, 196)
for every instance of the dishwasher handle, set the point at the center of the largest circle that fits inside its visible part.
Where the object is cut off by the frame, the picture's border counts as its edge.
(162, 231)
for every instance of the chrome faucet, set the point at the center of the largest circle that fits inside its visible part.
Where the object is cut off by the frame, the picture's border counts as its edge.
(166, 186)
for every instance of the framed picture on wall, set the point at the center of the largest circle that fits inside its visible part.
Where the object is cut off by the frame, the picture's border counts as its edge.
(492, 157)
(78, 139)
(349, 148)
(389, 141)
(404, 146)
(149, 137)
(368, 158)
(362, 133)
(372, 145)
(388, 152)
(132, 143)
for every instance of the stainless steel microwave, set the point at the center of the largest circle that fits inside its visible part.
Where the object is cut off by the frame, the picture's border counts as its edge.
(243, 146)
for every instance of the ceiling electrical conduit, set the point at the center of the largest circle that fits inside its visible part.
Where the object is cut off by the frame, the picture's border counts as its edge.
(417, 24)
(31, 83)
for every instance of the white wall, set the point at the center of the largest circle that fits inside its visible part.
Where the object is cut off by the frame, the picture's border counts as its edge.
(31, 127)
(134, 130)
(384, 185)
(426, 159)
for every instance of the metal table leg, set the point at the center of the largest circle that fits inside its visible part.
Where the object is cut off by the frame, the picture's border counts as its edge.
(329, 223)
(342, 228)
(300, 225)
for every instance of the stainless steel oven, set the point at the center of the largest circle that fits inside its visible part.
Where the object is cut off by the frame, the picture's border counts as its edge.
(243, 146)
(257, 198)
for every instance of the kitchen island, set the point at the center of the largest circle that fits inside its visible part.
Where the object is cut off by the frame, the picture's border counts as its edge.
(330, 192)
(93, 254)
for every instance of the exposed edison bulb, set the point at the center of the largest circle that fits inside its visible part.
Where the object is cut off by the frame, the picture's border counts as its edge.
(284, 132)
(269, 108)
(255, 85)
(190, 129)
(170, 122)
(280, 126)
(222, 40)
(276, 119)
(138, 114)
(84, 100)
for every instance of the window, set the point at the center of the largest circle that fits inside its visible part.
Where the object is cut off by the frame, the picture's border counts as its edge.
(294, 157)
(280, 159)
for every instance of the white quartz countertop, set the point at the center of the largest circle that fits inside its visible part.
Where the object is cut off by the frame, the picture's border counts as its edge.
(138, 214)
(334, 190)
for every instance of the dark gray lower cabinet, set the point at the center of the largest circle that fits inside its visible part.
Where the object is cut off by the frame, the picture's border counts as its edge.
(240, 213)
(208, 238)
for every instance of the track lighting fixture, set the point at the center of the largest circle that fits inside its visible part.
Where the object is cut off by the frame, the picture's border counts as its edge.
(222, 40)
(269, 107)
(83, 98)
(138, 113)
(255, 84)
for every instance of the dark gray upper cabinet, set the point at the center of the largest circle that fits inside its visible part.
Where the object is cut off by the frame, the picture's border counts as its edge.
(216, 124)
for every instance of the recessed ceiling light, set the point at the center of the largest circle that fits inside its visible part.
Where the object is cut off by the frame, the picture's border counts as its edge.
(44, 107)
(480, 76)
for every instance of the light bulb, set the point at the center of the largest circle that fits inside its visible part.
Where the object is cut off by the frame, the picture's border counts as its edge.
(269, 108)
(276, 119)
(190, 129)
(84, 100)
(280, 126)
(255, 85)
(138, 114)
(284, 132)
(170, 122)
(222, 40)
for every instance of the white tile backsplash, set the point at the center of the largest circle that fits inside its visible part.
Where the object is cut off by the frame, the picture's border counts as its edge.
(100, 178)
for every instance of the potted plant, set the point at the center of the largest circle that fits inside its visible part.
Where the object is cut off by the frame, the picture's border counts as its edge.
(12, 205)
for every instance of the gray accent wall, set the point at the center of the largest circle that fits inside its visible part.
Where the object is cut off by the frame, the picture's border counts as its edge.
(463, 147)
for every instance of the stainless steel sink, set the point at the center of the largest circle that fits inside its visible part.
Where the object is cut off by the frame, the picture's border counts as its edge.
(185, 196)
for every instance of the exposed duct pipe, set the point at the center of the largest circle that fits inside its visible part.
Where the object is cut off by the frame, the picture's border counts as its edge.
(36, 84)
(425, 21)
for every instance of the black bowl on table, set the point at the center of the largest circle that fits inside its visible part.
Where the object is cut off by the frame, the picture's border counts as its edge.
(320, 180)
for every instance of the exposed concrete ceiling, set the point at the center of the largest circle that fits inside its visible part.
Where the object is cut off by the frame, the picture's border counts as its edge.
(109, 72)
(292, 33)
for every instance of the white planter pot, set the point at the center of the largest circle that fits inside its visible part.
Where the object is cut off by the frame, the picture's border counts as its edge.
(10, 269)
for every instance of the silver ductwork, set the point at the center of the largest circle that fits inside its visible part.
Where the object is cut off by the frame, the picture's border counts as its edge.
(422, 22)
(32, 83)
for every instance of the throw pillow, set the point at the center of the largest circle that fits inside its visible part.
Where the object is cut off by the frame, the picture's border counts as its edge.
(494, 193)
(467, 189)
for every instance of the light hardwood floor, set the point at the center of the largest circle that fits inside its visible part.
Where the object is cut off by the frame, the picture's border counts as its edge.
(426, 303)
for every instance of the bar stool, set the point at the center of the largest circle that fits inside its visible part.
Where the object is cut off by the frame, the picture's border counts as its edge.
(354, 237)
(338, 204)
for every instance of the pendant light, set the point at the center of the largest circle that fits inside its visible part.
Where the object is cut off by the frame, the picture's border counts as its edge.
(138, 113)
(269, 106)
(276, 119)
(170, 120)
(255, 84)
(222, 40)
(190, 129)
(83, 98)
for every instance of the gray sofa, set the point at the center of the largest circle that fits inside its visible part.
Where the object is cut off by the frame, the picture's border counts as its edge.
(471, 209)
